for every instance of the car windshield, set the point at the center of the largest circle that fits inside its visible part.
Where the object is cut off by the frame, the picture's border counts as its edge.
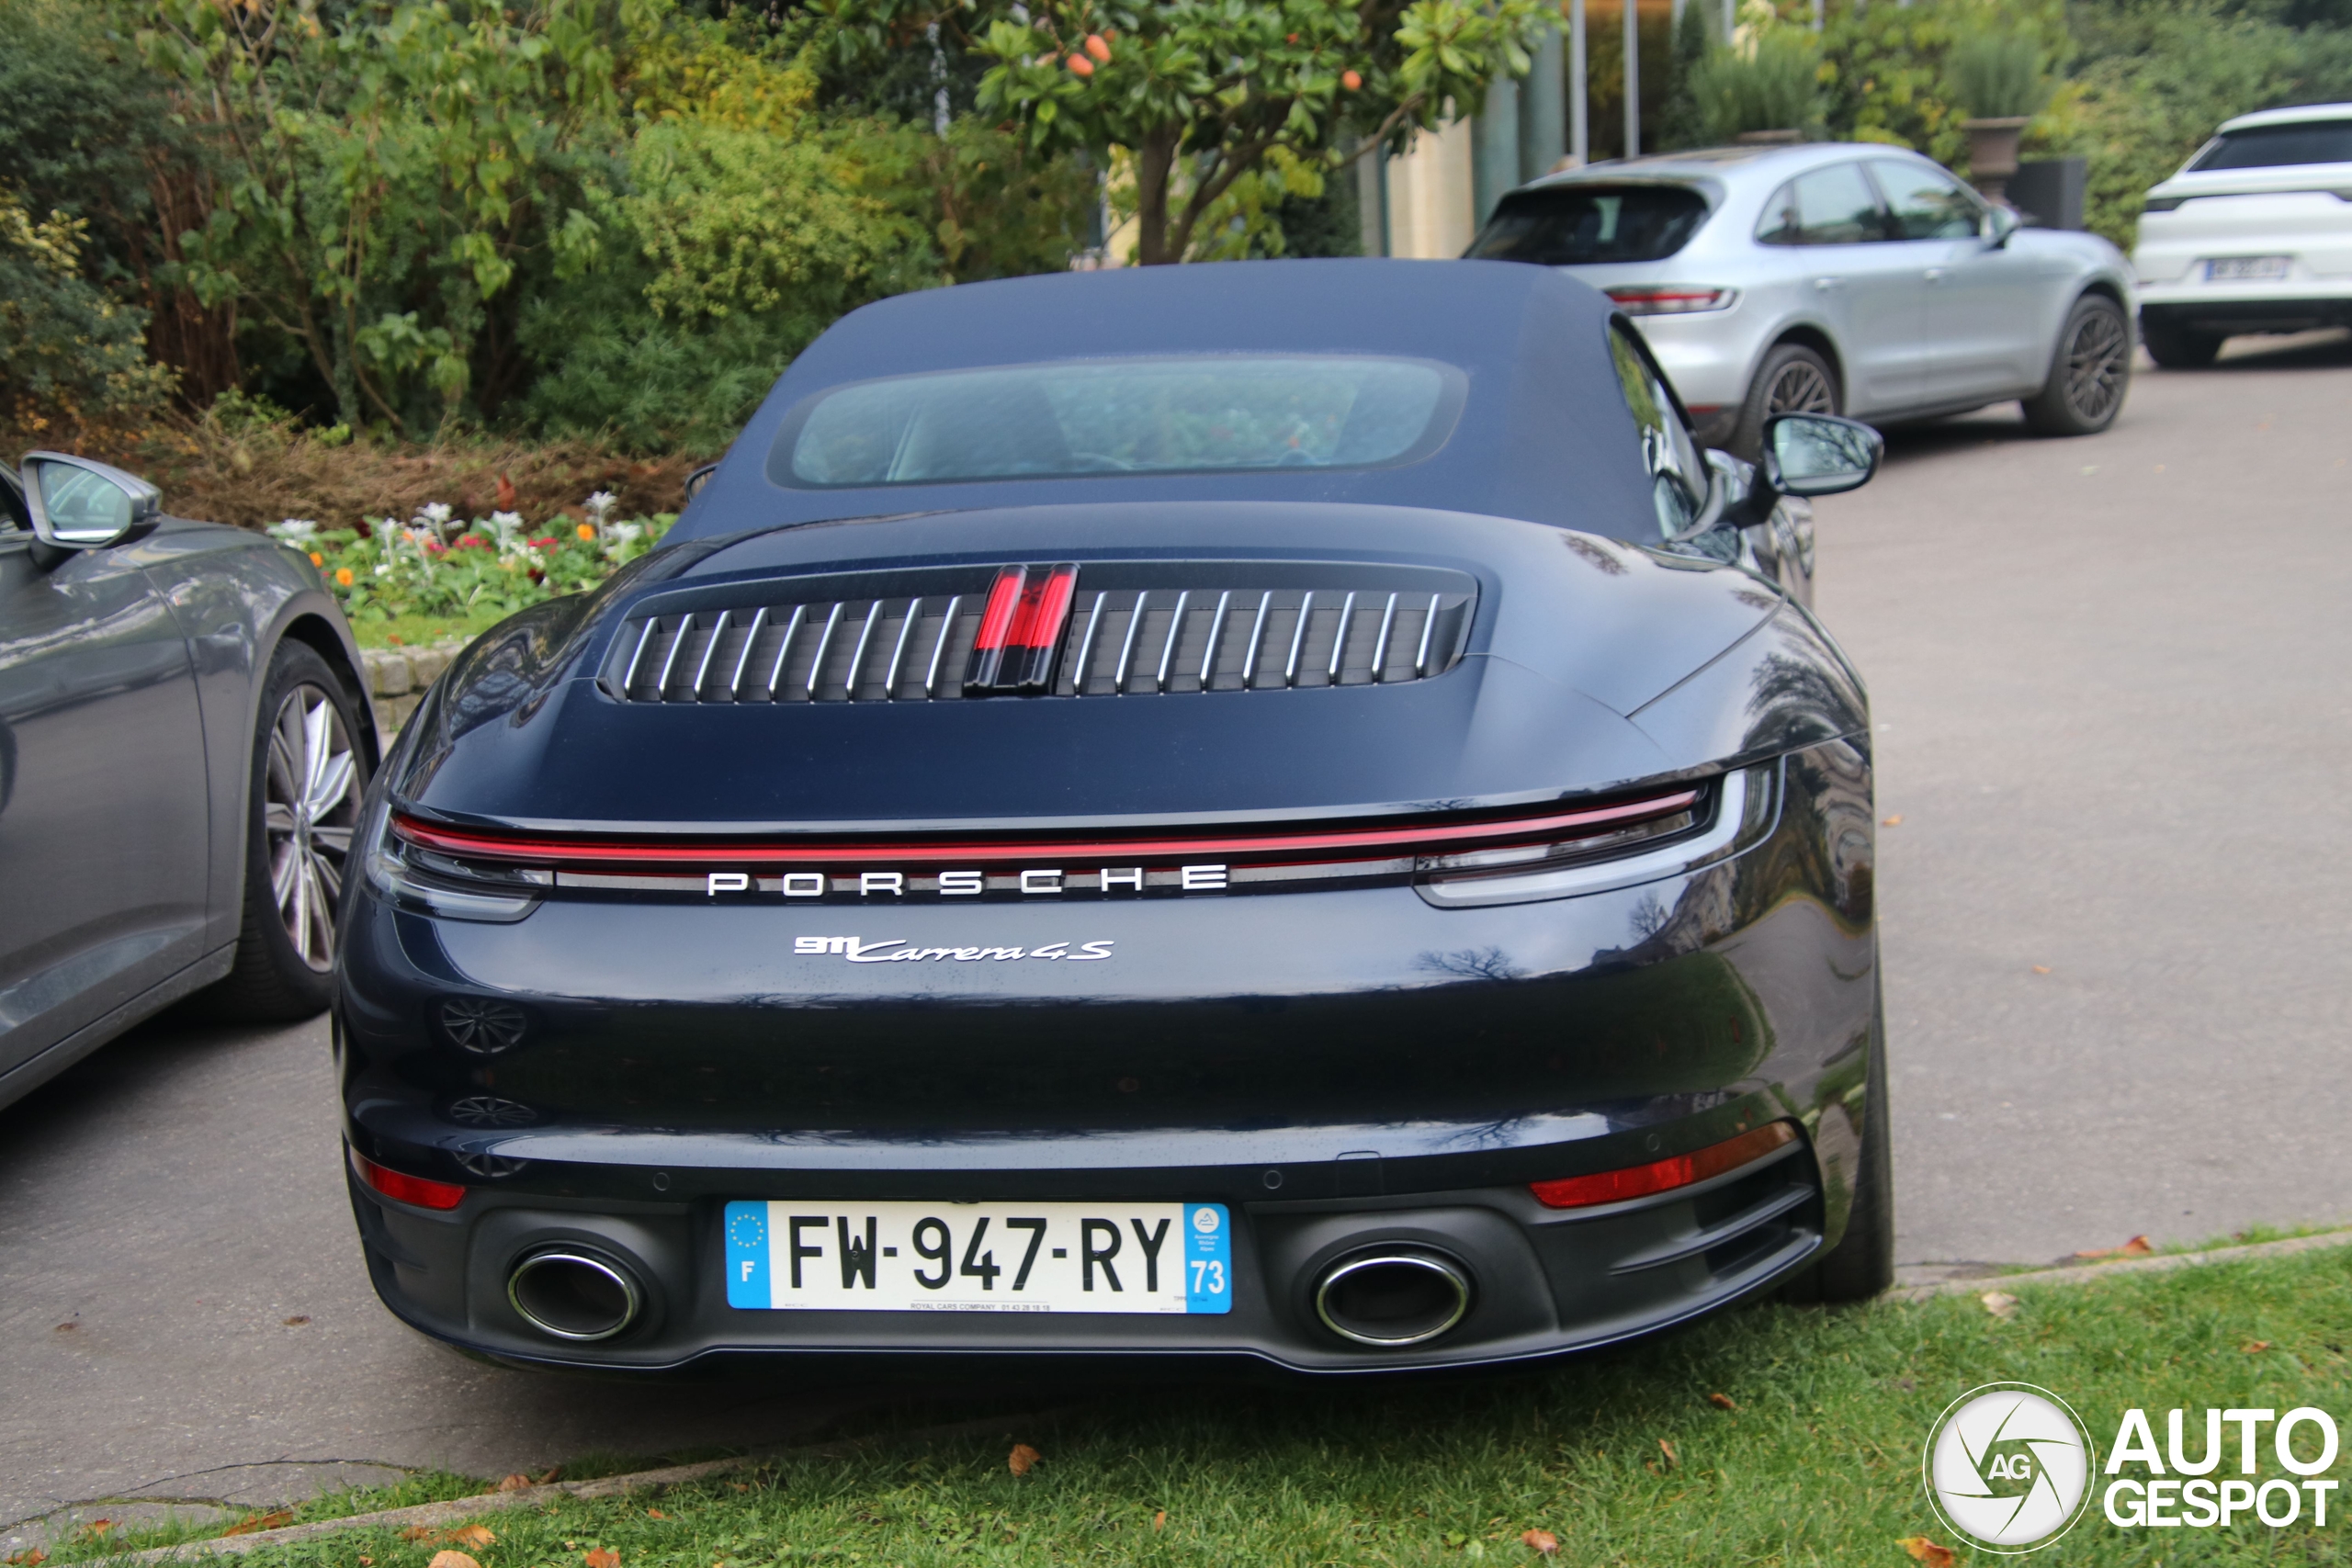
(1577, 225)
(2280, 146)
(1169, 416)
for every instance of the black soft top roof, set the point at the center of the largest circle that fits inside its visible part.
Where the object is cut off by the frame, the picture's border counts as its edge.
(1543, 435)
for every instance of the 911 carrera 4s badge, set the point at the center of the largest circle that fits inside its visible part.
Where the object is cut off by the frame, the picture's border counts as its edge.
(898, 950)
(940, 1257)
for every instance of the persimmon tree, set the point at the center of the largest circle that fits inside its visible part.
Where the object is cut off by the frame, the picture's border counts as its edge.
(1201, 94)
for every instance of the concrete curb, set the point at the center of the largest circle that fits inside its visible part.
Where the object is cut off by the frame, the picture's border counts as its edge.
(441, 1516)
(2082, 1274)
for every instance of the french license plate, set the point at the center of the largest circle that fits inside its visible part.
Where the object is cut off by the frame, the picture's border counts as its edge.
(1156, 1258)
(2245, 269)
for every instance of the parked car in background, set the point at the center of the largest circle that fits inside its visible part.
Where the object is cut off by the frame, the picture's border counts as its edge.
(1838, 278)
(2253, 235)
(184, 740)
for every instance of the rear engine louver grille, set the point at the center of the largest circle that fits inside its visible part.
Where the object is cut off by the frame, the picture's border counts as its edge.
(1116, 640)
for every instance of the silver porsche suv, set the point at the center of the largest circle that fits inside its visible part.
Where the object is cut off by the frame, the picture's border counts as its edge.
(1848, 278)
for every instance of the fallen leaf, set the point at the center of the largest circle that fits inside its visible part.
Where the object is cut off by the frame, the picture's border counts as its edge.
(1543, 1541)
(600, 1558)
(452, 1560)
(1018, 1461)
(1160, 1520)
(470, 1535)
(1723, 1402)
(417, 1532)
(367, 1562)
(505, 493)
(97, 1528)
(2136, 1248)
(2001, 1304)
(252, 1522)
(296, 1322)
(1893, 821)
(550, 1473)
(2255, 1346)
(2039, 969)
(62, 1328)
(1927, 1550)
(33, 1557)
(655, 1514)
(515, 1482)
(1667, 1449)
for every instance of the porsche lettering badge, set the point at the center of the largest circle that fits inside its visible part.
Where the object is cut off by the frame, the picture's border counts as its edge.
(896, 950)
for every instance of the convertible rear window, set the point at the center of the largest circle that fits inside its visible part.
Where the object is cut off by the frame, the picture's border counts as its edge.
(1577, 225)
(2280, 146)
(1197, 414)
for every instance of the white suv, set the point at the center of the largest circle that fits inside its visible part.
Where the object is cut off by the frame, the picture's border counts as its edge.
(2253, 235)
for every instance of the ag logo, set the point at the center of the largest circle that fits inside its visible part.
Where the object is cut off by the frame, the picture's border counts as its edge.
(2007, 1467)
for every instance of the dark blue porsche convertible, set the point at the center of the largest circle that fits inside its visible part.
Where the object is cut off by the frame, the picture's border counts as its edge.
(1282, 811)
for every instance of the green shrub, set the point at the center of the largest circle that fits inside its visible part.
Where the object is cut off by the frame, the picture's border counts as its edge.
(1770, 83)
(1998, 75)
(70, 355)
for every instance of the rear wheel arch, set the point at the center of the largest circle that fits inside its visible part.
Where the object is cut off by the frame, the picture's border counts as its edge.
(315, 632)
(1821, 343)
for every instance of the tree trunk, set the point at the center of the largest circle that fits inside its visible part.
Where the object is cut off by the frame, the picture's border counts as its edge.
(1155, 167)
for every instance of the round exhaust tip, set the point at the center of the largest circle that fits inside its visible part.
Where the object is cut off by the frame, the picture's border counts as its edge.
(1392, 1297)
(574, 1295)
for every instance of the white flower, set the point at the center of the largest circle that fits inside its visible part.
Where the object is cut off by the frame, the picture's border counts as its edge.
(433, 513)
(602, 503)
(626, 534)
(294, 530)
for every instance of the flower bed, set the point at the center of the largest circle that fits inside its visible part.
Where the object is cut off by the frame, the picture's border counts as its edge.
(435, 568)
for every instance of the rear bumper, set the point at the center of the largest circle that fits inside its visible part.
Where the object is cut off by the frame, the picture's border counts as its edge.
(2248, 310)
(1544, 1282)
(1339, 1069)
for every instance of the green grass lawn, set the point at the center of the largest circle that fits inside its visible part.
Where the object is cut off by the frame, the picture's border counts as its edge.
(424, 631)
(1626, 1458)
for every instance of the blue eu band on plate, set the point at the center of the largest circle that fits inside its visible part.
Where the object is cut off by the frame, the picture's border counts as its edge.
(1102, 1257)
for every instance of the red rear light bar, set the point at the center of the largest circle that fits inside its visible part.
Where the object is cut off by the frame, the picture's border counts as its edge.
(1346, 844)
(1663, 1175)
(404, 1188)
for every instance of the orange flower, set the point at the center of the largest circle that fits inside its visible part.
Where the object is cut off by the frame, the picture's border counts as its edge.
(586, 532)
(317, 559)
(343, 575)
(1097, 47)
(1350, 81)
(1080, 66)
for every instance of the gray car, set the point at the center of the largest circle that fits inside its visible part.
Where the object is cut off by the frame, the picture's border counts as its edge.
(1848, 278)
(184, 740)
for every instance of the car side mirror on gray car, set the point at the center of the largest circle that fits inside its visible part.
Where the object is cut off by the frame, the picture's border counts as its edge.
(81, 504)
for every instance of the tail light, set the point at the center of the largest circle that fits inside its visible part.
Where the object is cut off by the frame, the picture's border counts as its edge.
(1670, 298)
(1663, 1175)
(402, 1188)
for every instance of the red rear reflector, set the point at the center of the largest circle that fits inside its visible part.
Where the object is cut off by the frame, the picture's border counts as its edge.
(1020, 629)
(404, 1188)
(1664, 1175)
(1670, 299)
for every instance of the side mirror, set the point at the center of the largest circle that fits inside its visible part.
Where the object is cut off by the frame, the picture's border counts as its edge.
(700, 478)
(1999, 225)
(1815, 454)
(78, 504)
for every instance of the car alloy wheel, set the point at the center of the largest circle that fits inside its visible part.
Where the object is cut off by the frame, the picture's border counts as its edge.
(308, 810)
(1800, 388)
(2096, 356)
